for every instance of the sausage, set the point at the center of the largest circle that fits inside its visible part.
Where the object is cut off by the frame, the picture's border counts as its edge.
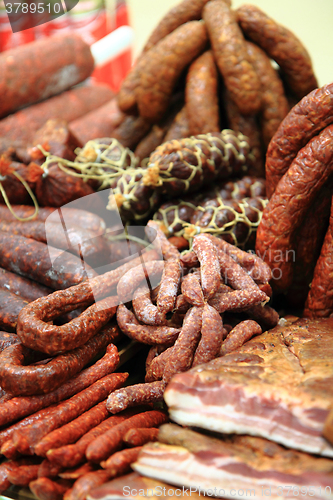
(160, 241)
(76, 240)
(185, 345)
(44, 488)
(185, 11)
(7, 340)
(180, 127)
(282, 46)
(130, 281)
(10, 307)
(192, 291)
(73, 454)
(319, 302)
(17, 181)
(65, 337)
(239, 299)
(23, 475)
(67, 106)
(306, 175)
(265, 315)
(32, 324)
(48, 469)
(169, 285)
(231, 56)
(43, 263)
(135, 395)
(25, 288)
(185, 165)
(109, 442)
(305, 120)
(85, 484)
(201, 95)
(20, 379)
(274, 102)
(209, 265)
(233, 274)
(19, 407)
(155, 370)
(259, 271)
(179, 242)
(120, 462)
(247, 125)
(163, 66)
(100, 122)
(139, 437)
(144, 309)
(211, 336)
(150, 142)
(26, 438)
(71, 432)
(72, 217)
(77, 472)
(130, 132)
(142, 333)
(56, 138)
(56, 64)
(9, 450)
(240, 334)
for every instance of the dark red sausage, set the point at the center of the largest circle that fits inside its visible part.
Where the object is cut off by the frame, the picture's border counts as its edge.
(41, 262)
(98, 123)
(10, 307)
(41, 69)
(67, 106)
(8, 339)
(26, 438)
(25, 288)
(45, 488)
(20, 379)
(19, 407)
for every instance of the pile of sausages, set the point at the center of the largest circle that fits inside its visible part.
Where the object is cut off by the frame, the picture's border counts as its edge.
(295, 234)
(206, 67)
(181, 318)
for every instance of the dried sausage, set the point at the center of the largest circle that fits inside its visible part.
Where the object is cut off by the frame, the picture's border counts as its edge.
(78, 471)
(239, 335)
(201, 95)
(19, 407)
(67, 106)
(100, 122)
(44, 488)
(8, 339)
(48, 469)
(135, 395)
(192, 291)
(25, 288)
(26, 439)
(144, 309)
(109, 442)
(120, 462)
(131, 280)
(319, 302)
(85, 484)
(71, 432)
(53, 339)
(209, 265)
(21, 380)
(169, 285)
(160, 241)
(56, 65)
(211, 336)
(239, 299)
(274, 102)
(10, 307)
(185, 345)
(156, 368)
(306, 175)
(142, 333)
(231, 56)
(282, 46)
(305, 120)
(163, 66)
(130, 132)
(139, 437)
(41, 262)
(180, 127)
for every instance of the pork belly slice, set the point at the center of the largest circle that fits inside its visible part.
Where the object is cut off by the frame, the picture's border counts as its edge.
(279, 386)
(234, 466)
(135, 487)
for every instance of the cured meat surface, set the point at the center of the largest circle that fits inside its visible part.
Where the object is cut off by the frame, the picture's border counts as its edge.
(234, 466)
(279, 386)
